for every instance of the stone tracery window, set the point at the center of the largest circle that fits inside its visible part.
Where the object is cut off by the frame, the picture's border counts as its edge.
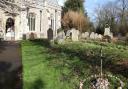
(31, 21)
(52, 21)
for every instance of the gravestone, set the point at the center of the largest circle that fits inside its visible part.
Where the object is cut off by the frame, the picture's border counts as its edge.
(100, 36)
(86, 34)
(68, 33)
(1, 34)
(74, 35)
(83, 36)
(32, 36)
(50, 34)
(61, 37)
(107, 31)
(96, 36)
(92, 35)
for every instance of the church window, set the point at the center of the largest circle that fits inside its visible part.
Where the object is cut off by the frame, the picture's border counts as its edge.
(31, 21)
(52, 21)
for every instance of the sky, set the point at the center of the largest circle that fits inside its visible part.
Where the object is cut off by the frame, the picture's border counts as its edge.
(90, 6)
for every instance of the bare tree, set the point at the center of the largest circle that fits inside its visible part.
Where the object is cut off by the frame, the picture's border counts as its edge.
(116, 15)
(106, 14)
(123, 10)
(73, 19)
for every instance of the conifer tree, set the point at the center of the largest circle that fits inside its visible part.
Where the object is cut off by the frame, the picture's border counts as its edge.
(74, 5)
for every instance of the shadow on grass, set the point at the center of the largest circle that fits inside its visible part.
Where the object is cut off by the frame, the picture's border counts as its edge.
(93, 58)
(10, 79)
(38, 84)
(42, 42)
(2, 46)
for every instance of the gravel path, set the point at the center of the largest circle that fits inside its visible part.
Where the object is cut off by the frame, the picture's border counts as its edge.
(10, 65)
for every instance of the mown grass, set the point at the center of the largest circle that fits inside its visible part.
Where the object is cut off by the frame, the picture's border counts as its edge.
(62, 66)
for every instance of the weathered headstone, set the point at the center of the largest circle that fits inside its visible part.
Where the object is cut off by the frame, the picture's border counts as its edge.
(85, 35)
(100, 36)
(32, 36)
(1, 34)
(119, 88)
(92, 35)
(75, 35)
(50, 34)
(107, 31)
(108, 34)
(68, 33)
(61, 37)
(96, 36)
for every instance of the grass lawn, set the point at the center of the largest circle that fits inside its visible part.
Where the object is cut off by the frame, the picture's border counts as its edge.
(63, 66)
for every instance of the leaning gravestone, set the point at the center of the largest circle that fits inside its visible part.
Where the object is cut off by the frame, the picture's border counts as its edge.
(92, 35)
(68, 33)
(74, 34)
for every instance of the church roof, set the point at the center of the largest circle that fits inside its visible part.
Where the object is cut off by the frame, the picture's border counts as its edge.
(52, 2)
(41, 2)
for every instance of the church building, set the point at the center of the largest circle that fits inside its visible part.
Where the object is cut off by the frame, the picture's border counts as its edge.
(21, 19)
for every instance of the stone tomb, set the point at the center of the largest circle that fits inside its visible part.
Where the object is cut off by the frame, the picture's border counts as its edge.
(107, 32)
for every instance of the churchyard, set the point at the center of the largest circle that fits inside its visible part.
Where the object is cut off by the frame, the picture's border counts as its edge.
(63, 66)
(47, 46)
(76, 60)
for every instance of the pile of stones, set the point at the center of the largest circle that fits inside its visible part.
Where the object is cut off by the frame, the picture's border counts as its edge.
(100, 83)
